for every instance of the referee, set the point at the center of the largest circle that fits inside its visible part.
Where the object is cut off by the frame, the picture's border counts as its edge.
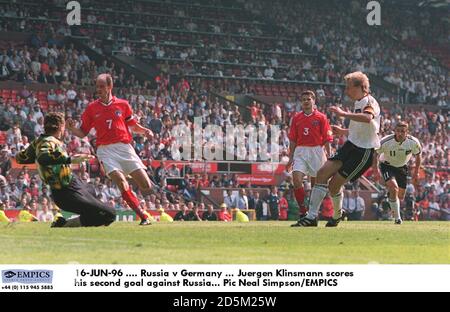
(68, 192)
(395, 152)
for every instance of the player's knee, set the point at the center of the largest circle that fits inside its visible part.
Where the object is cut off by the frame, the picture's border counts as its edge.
(334, 189)
(146, 189)
(322, 176)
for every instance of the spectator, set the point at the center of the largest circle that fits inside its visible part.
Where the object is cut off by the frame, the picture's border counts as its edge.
(228, 199)
(164, 217)
(210, 214)
(29, 127)
(5, 162)
(240, 201)
(193, 214)
(283, 206)
(45, 215)
(273, 202)
(160, 173)
(25, 215)
(173, 171)
(356, 206)
(224, 214)
(182, 215)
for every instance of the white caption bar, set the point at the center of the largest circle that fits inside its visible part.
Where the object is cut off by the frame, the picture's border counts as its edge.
(228, 278)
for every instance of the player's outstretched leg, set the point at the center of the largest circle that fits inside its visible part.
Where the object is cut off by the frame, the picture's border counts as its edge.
(77, 199)
(127, 194)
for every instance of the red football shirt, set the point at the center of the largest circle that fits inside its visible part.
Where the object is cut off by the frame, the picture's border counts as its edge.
(109, 121)
(310, 130)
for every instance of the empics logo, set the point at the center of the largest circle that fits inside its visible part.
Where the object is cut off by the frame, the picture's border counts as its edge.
(27, 276)
(9, 274)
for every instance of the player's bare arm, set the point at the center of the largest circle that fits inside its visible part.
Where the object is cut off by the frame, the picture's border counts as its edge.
(327, 149)
(339, 131)
(79, 158)
(292, 147)
(139, 129)
(71, 126)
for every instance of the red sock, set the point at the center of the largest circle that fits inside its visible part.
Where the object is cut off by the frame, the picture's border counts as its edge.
(300, 197)
(133, 202)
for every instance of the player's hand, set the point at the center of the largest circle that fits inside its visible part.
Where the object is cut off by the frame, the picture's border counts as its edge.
(70, 123)
(149, 134)
(79, 158)
(337, 130)
(289, 165)
(337, 110)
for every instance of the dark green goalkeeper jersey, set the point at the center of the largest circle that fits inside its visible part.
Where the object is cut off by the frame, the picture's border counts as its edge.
(52, 160)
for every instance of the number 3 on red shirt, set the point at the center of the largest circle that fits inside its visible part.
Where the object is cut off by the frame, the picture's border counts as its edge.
(305, 131)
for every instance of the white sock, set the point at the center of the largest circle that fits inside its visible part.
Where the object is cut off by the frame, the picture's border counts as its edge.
(337, 205)
(318, 193)
(395, 206)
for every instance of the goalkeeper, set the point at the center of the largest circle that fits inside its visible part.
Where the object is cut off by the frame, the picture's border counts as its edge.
(68, 192)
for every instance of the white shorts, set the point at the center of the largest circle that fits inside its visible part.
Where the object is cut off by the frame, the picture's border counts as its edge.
(309, 159)
(119, 156)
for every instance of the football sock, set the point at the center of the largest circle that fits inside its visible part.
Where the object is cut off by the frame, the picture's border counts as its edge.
(300, 197)
(337, 205)
(318, 193)
(395, 207)
(133, 202)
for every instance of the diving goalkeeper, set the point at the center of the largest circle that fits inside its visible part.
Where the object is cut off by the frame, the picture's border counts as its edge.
(68, 192)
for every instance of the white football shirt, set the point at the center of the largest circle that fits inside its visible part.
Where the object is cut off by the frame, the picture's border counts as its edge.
(398, 154)
(364, 134)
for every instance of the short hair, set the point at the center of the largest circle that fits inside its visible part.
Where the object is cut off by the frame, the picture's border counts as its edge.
(402, 124)
(53, 121)
(108, 78)
(358, 79)
(308, 92)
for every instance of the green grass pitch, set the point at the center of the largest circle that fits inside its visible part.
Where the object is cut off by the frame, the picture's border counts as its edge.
(227, 243)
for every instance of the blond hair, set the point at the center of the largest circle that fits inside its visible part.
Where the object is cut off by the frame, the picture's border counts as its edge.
(358, 79)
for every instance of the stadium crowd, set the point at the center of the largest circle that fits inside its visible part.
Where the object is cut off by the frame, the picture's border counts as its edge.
(319, 51)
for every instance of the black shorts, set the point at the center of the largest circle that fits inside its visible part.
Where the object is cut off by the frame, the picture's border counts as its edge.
(398, 173)
(77, 198)
(355, 160)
